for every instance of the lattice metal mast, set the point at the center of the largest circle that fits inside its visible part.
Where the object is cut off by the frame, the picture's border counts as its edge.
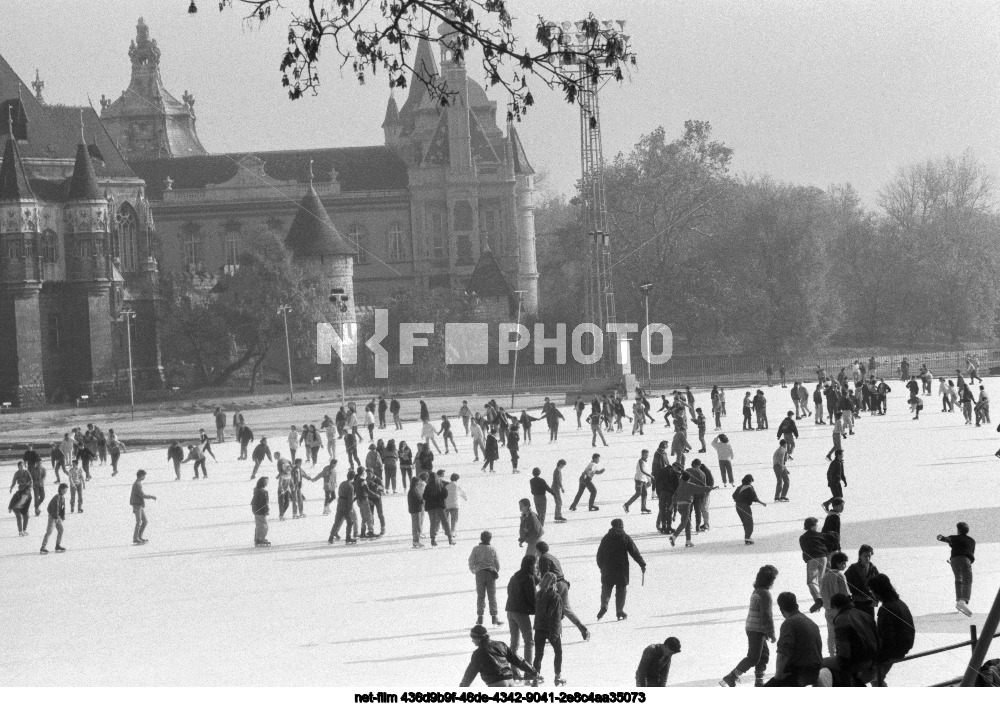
(599, 298)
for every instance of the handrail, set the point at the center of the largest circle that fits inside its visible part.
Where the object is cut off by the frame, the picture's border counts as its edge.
(973, 640)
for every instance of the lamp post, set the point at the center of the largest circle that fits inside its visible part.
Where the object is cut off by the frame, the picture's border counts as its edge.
(339, 299)
(126, 315)
(647, 289)
(513, 382)
(284, 310)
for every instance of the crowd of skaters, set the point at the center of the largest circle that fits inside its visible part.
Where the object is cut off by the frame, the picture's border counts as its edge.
(682, 493)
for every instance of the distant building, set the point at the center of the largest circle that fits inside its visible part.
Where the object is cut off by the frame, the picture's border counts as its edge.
(447, 185)
(76, 237)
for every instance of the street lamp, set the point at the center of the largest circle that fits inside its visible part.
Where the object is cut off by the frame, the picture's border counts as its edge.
(284, 310)
(126, 315)
(339, 299)
(647, 289)
(513, 381)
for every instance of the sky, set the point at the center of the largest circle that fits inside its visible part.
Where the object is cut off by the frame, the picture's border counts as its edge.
(814, 93)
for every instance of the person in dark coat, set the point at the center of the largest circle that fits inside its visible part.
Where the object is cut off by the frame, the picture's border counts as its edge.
(491, 452)
(895, 627)
(859, 577)
(612, 559)
(549, 607)
(800, 647)
(260, 452)
(654, 666)
(175, 455)
(260, 506)
(415, 507)
(434, 498)
(745, 496)
(492, 661)
(345, 510)
(835, 477)
(244, 436)
(521, 606)
(857, 645)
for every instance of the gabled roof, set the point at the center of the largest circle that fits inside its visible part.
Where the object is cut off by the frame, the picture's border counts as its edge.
(488, 280)
(54, 131)
(14, 184)
(482, 149)
(391, 112)
(313, 234)
(438, 151)
(374, 168)
(521, 165)
(83, 184)
(424, 67)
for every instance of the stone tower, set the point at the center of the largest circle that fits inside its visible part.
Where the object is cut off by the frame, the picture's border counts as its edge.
(319, 248)
(21, 380)
(89, 273)
(471, 184)
(146, 121)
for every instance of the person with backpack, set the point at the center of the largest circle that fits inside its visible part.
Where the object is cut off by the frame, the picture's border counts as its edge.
(745, 496)
(895, 627)
(485, 566)
(492, 661)
(852, 662)
(963, 554)
(759, 629)
(654, 666)
(260, 507)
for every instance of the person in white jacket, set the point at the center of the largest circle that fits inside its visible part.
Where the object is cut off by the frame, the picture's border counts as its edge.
(456, 495)
(725, 451)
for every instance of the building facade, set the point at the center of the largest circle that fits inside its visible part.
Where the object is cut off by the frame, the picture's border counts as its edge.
(76, 235)
(446, 185)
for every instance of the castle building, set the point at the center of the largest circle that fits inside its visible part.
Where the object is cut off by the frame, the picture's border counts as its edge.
(76, 236)
(446, 186)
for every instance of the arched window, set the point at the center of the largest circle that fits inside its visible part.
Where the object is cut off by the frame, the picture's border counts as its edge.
(125, 243)
(396, 251)
(232, 245)
(49, 247)
(193, 250)
(358, 237)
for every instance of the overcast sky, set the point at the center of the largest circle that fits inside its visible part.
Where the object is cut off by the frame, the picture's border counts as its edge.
(808, 92)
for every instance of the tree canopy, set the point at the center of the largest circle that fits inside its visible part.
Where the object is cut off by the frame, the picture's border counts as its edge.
(372, 36)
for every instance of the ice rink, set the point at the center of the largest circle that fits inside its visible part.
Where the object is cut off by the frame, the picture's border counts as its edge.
(199, 605)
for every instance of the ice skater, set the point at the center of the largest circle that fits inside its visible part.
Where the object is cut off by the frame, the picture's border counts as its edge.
(745, 496)
(539, 487)
(612, 559)
(642, 482)
(485, 566)
(137, 500)
(260, 506)
(963, 554)
(759, 629)
(57, 515)
(587, 484)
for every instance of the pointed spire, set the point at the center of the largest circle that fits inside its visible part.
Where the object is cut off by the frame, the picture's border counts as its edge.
(83, 184)
(391, 112)
(425, 68)
(312, 233)
(14, 184)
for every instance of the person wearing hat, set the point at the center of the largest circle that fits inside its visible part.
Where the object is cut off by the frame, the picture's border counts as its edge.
(745, 496)
(492, 661)
(654, 666)
(612, 559)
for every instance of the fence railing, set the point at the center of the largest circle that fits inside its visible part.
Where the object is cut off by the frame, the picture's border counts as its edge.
(973, 640)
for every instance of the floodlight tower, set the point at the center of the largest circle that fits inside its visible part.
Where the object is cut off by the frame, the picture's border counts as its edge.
(599, 297)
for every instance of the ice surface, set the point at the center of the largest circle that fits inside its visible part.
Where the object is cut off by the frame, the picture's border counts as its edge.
(199, 605)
